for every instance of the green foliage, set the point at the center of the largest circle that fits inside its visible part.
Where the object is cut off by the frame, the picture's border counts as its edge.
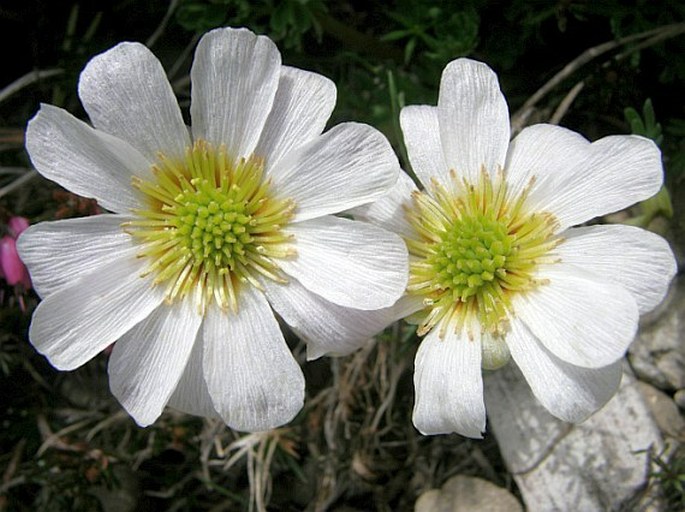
(647, 126)
(203, 15)
(291, 20)
(439, 33)
(670, 473)
(286, 21)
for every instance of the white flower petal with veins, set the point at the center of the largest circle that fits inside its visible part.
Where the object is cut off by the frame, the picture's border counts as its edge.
(73, 324)
(264, 387)
(577, 180)
(571, 393)
(303, 103)
(329, 174)
(473, 118)
(328, 328)
(647, 265)
(59, 253)
(126, 94)
(330, 248)
(191, 394)
(234, 84)
(388, 211)
(147, 362)
(449, 385)
(578, 318)
(421, 129)
(88, 162)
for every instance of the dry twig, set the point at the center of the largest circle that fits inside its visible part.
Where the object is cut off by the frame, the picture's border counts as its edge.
(647, 38)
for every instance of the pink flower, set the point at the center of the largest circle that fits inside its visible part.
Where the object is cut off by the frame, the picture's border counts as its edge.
(11, 267)
(17, 225)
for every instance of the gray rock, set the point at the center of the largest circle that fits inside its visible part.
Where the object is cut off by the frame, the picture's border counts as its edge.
(646, 369)
(601, 464)
(679, 398)
(658, 353)
(672, 367)
(429, 501)
(664, 410)
(467, 494)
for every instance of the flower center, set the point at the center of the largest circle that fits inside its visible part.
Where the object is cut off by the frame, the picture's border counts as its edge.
(476, 248)
(211, 225)
(472, 254)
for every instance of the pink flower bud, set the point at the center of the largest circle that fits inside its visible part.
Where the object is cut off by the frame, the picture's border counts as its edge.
(17, 225)
(11, 265)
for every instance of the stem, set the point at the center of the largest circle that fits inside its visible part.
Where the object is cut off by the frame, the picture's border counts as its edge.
(650, 38)
(26, 80)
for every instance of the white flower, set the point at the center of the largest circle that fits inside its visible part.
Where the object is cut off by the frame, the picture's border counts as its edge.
(496, 268)
(210, 229)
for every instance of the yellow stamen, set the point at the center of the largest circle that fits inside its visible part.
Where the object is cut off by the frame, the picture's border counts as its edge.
(211, 226)
(476, 247)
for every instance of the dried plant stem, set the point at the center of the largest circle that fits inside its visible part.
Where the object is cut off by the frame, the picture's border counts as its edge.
(563, 107)
(162, 25)
(648, 38)
(17, 454)
(51, 439)
(184, 82)
(108, 422)
(26, 80)
(15, 184)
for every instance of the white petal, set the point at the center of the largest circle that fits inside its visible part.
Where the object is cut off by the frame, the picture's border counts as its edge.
(474, 119)
(191, 394)
(126, 93)
(303, 103)
(543, 151)
(59, 253)
(449, 385)
(638, 260)
(234, 79)
(349, 165)
(421, 131)
(327, 328)
(72, 325)
(569, 392)
(576, 180)
(582, 321)
(388, 211)
(349, 263)
(147, 361)
(85, 161)
(252, 377)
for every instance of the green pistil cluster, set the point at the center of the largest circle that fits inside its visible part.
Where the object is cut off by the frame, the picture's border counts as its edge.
(471, 255)
(211, 225)
(214, 225)
(476, 248)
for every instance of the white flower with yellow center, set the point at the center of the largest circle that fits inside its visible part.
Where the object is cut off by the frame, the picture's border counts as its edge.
(211, 229)
(496, 268)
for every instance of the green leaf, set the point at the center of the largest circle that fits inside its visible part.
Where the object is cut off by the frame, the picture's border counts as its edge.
(645, 125)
